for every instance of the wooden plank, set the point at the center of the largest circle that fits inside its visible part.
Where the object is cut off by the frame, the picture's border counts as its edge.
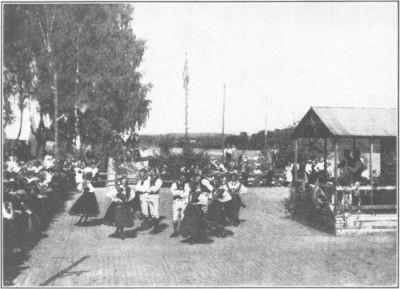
(374, 207)
(104, 273)
(359, 232)
(369, 217)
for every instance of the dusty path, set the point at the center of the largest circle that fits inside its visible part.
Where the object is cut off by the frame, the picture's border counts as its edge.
(267, 249)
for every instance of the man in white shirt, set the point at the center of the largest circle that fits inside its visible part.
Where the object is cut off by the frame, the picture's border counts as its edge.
(320, 165)
(308, 170)
(143, 189)
(180, 193)
(154, 197)
(330, 170)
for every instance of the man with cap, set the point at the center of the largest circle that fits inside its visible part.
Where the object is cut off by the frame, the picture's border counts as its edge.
(180, 192)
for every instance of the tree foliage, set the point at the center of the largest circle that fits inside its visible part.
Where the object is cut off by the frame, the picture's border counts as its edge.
(94, 54)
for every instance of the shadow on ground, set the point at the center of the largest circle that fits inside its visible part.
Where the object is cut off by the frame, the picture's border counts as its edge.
(91, 223)
(65, 272)
(13, 262)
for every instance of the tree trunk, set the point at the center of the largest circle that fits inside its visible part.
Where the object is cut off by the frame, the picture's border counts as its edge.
(55, 78)
(21, 108)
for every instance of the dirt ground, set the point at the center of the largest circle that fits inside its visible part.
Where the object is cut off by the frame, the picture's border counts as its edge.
(267, 249)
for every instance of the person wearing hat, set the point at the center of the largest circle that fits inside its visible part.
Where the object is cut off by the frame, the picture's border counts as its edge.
(154, 197)
(180, 194)
(142, 190)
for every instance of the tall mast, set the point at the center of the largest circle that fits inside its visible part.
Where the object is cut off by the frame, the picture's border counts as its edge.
(185, 77)
(223, 126)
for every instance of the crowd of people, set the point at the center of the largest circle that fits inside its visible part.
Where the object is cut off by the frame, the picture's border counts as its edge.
(32, 192)
(204, 202)
(352, 169)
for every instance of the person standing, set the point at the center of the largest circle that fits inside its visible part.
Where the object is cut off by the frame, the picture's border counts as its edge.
(142, 190)
(86, 206)
(357, 166)
(123, 216)
(236, 189)
(288, 173)
(154, 197)
(193, 223)
(180, 193)
(220, 207)
(109, 217)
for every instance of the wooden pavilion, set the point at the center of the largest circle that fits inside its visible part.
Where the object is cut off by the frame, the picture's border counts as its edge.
(370, 125)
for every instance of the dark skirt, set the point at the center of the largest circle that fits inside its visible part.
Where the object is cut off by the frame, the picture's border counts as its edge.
(135, 204)
(216, 214)
(123, 216)
(86, 205)
(109, 217)
(236, 204)
(193, 223)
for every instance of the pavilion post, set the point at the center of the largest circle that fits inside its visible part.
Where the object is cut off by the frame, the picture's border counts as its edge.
(335, 167)
(296, 146)
(335, 161)
(325, 154)
(371, 150)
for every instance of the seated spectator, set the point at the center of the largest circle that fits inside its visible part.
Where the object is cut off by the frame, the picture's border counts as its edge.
(347, 161)
(11, 164)
(48, 161)
(357, 166)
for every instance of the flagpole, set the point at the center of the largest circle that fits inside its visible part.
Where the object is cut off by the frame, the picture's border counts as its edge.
(265, 137)
(223, 126)
(185, 86)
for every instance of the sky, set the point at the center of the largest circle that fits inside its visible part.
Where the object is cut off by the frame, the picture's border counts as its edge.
(276, 59)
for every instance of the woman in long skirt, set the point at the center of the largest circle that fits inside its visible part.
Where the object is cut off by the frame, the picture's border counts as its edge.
(109, 217)
(219, 208)
(123, 215)
(235, 190)
(86, 206)
(193, 224)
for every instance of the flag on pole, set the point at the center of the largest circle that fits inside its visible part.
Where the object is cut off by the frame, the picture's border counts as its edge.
(185, 74)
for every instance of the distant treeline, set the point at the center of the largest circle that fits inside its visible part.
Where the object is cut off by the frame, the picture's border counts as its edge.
(278, 142)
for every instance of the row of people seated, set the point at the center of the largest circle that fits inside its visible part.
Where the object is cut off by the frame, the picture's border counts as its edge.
(32, 191)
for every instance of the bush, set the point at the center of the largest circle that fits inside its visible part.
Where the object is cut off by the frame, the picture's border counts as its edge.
(301, 206)
(188, 158)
